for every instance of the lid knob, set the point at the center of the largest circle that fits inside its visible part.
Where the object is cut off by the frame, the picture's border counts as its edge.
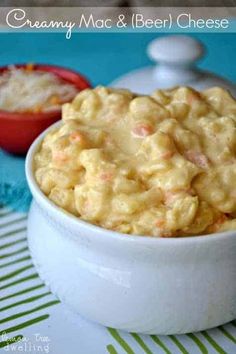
(176, 49)
(176, 55)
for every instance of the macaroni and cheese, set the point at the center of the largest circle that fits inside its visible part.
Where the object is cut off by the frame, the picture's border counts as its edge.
(159, 165)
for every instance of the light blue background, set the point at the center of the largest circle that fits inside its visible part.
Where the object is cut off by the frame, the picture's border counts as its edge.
(104, 56)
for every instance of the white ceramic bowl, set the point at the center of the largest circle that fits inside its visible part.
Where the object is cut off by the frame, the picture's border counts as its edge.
(135, 283)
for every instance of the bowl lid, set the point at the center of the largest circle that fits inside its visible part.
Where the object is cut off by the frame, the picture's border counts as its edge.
(175, 57)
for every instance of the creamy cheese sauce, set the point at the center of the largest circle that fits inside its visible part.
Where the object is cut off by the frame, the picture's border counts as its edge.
(160, 165)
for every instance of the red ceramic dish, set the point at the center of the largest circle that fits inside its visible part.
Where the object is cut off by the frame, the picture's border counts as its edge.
(18, 130)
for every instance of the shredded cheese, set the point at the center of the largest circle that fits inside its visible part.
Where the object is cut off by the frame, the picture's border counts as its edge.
(24, 90)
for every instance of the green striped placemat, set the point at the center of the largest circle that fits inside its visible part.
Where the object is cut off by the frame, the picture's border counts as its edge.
(33, 320)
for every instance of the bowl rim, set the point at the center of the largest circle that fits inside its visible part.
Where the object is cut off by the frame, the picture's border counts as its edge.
(105, 233)
(21, 116)
(14, 115)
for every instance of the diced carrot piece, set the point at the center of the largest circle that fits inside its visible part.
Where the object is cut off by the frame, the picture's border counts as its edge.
(59, 156)
(169, 197)
(160, 223)
(77, 136)
(167, 155)
(106, 176)
(142, 130)
(197, 158)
